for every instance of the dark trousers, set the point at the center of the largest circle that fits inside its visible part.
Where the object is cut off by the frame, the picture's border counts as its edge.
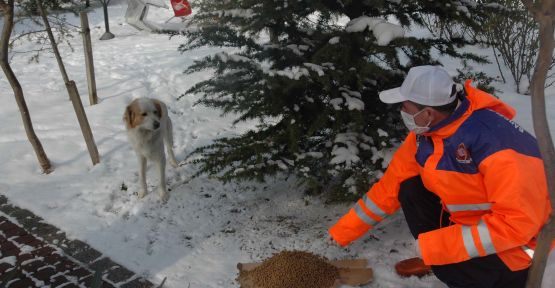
(423, 213)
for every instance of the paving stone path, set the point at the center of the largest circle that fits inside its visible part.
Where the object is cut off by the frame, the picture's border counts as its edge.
(36, 254)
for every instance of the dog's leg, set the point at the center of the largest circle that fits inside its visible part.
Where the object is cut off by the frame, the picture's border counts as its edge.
(142, 176)
(162, 172)
(168, 141)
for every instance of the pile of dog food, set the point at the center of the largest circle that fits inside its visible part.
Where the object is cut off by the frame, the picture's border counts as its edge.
(292, 269)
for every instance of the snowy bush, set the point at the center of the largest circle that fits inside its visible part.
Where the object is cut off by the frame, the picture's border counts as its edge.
(309, 72)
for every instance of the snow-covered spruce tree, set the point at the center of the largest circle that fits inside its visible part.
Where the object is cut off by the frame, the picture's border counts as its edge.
(312, 81)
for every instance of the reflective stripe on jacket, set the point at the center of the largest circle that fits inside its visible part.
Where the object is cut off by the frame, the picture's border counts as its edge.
(489, 175)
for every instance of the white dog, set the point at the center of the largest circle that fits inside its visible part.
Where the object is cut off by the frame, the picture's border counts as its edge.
(148, 129)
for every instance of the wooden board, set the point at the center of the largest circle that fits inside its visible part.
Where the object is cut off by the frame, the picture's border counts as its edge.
(350, 263)
(351, 271)
(355, 276)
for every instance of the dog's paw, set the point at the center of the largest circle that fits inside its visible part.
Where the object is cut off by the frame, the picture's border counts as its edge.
(164, 197)
(173, 162)
(141, 194)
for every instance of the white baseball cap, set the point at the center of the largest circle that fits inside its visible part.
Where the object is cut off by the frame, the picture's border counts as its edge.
(425, 85)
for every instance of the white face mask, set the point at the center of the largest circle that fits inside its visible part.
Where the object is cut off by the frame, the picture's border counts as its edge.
(411, 124)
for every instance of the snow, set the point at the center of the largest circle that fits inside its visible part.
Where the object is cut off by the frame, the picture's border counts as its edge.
(336, 102)
(31, 260)
(334, 40)
(297, 49)
(353, 103)
(361, 23)
(10, 260)
(235, 13)
(294, 72)
(345, 155)
(382, 133)
(352, 99)
(198, 237)
(341, 155)
(316, 68)
(316, 155)
(224, 57)
(384, 31)
(464, 10)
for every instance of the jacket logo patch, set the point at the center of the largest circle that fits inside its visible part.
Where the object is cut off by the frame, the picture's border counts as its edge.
(462, 154)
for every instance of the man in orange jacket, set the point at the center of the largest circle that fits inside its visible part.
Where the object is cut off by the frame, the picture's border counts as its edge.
(470, 181)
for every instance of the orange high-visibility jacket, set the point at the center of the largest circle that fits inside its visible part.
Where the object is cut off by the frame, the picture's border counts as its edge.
(489, 175)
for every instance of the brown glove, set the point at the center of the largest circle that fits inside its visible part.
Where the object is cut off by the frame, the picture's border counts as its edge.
(412, 267)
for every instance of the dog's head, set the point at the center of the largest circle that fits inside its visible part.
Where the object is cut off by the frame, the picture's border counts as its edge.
(143, 113)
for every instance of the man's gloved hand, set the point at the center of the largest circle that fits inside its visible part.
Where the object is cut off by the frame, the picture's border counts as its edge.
(413, 266)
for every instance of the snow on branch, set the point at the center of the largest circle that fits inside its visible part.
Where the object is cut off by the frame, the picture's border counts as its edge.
(469, 3)
(316, 68)
(298, 49)
(352, 100)
(345, 155)
(294, 73)
(334, 40)
(235, 13)
(316, 155)
(225, 57)
(384, 31)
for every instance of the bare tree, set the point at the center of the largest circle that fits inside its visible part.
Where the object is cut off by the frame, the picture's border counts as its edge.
(72, 91)
(510, 31)
(514, 36)
(544, 13)
(30, 29)
(7, 10)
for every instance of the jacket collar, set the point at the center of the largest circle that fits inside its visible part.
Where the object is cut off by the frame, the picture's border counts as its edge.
(476, 99)
(463, 107)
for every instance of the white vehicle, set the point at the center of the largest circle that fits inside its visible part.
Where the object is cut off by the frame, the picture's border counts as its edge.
(137, 11)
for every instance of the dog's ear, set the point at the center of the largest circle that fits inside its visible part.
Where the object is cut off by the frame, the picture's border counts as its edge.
(158, 107)
(128, 116)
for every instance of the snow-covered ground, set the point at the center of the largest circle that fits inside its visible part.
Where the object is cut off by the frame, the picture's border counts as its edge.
(206, 228)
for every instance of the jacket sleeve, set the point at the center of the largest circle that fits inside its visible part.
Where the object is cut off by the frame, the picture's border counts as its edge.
(381, 199)
(517, 190)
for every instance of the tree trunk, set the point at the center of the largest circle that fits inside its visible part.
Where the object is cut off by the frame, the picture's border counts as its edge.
(52, 41)
(7, 10)
(72, 92)
(545, 17)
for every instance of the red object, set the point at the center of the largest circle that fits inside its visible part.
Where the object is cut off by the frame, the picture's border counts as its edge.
(412, 267)
(181, 7)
